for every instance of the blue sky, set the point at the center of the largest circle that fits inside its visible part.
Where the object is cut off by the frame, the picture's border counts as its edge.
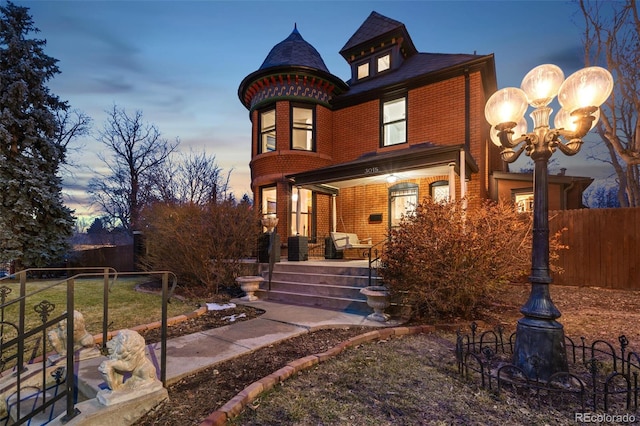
(181, 62)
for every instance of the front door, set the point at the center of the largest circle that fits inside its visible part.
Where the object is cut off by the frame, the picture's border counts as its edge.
(403, 199)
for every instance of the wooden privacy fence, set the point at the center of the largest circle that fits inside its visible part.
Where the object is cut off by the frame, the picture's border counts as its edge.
(604, 247)
(121, 258)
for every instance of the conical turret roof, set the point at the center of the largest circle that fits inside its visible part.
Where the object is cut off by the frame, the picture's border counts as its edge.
(294, 51)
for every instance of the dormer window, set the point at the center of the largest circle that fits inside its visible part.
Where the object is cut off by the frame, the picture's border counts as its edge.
(373, 65)
(384, 62)
(363, 70)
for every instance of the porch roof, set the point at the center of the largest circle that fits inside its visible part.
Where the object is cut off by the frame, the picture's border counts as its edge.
(416, 161)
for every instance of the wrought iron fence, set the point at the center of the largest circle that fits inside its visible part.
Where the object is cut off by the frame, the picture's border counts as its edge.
(602, 376)
(30, 385)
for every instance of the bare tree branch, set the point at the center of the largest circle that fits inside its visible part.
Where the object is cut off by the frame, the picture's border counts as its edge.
(136, 149)
(612, 40)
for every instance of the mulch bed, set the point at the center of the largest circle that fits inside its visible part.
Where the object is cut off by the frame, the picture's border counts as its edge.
(206, 321)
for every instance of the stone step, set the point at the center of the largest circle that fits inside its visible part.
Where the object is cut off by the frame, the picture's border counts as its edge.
(334, 303)
(30, 400)
(326, 279)
(311, 268)
(316, 289)
(328, 285)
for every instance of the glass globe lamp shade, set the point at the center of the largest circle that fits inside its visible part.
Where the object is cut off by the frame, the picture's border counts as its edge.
(505, 106)
(541, 84)
(588, 87)
(519, 130)
(564, 120)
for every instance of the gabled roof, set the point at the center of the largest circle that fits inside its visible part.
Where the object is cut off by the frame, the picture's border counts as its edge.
(294, 51)
(377, 25)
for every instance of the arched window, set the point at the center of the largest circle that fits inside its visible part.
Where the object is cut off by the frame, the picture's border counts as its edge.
(439, 191)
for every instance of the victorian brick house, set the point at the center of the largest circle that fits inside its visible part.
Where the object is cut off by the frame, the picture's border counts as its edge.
(353, 157)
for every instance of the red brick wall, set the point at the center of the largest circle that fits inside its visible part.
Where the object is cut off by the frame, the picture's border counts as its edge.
(356, 130)
(354, 205)
(436, 114)
(324, 131)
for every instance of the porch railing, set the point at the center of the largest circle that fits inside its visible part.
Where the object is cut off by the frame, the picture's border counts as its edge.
(374, 255)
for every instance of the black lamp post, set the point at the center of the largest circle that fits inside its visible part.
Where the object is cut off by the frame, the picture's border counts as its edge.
(540, 348)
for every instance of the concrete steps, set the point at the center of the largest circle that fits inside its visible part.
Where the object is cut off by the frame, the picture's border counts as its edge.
(330, 285)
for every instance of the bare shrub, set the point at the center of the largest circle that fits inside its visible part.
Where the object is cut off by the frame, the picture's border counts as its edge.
(202, 244)
(443, 260)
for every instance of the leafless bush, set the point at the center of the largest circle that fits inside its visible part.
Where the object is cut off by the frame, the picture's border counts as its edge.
(202, 244)
(444, 259)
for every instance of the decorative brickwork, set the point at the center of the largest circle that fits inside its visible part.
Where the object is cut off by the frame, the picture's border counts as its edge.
(290, 87)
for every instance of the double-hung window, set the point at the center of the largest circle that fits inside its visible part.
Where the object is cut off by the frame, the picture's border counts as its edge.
(394, 122)
(302, 225)
(267, 131)
(302, 128)
(268, 200)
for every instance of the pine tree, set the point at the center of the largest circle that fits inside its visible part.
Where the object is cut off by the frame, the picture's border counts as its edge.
(34, 223)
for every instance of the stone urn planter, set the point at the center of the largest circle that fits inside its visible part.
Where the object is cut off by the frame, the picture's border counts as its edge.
(378, 299)
(249, 284)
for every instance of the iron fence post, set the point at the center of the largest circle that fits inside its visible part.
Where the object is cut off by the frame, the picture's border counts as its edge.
(105, 311)
(70, 382)
(163, 344)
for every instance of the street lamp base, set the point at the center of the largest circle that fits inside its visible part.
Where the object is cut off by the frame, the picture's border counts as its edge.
(540, 348)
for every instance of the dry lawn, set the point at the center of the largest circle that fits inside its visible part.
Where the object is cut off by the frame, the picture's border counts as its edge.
(413, 380)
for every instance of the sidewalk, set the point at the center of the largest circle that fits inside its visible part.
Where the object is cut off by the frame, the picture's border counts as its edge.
(194, 352)
(189, 354)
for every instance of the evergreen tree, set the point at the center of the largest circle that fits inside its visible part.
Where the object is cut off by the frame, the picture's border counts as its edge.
(34, 223)
(97, 227)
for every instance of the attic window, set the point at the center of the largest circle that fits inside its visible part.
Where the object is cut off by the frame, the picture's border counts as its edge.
(363, 70)
(384, 62)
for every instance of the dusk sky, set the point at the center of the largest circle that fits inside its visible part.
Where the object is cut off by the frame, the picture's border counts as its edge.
(181, 62)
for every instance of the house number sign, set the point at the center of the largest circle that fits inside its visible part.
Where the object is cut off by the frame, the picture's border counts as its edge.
(371, 170)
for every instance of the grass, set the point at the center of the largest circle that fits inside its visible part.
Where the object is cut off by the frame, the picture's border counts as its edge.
(127, 307)
(402, 381)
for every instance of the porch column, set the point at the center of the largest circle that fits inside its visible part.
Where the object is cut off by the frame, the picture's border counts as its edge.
(334, 213)
(452, 181)
(298, 208)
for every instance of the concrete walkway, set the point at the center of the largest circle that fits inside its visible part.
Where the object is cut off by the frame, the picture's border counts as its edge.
(194, 352)
(189, 354)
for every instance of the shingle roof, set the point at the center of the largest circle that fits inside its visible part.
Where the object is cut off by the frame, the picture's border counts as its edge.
(415, 66)
(375, 25)
(294, 51)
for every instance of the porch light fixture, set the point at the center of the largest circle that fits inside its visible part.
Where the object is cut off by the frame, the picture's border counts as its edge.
(539, 348)
(392, 178)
